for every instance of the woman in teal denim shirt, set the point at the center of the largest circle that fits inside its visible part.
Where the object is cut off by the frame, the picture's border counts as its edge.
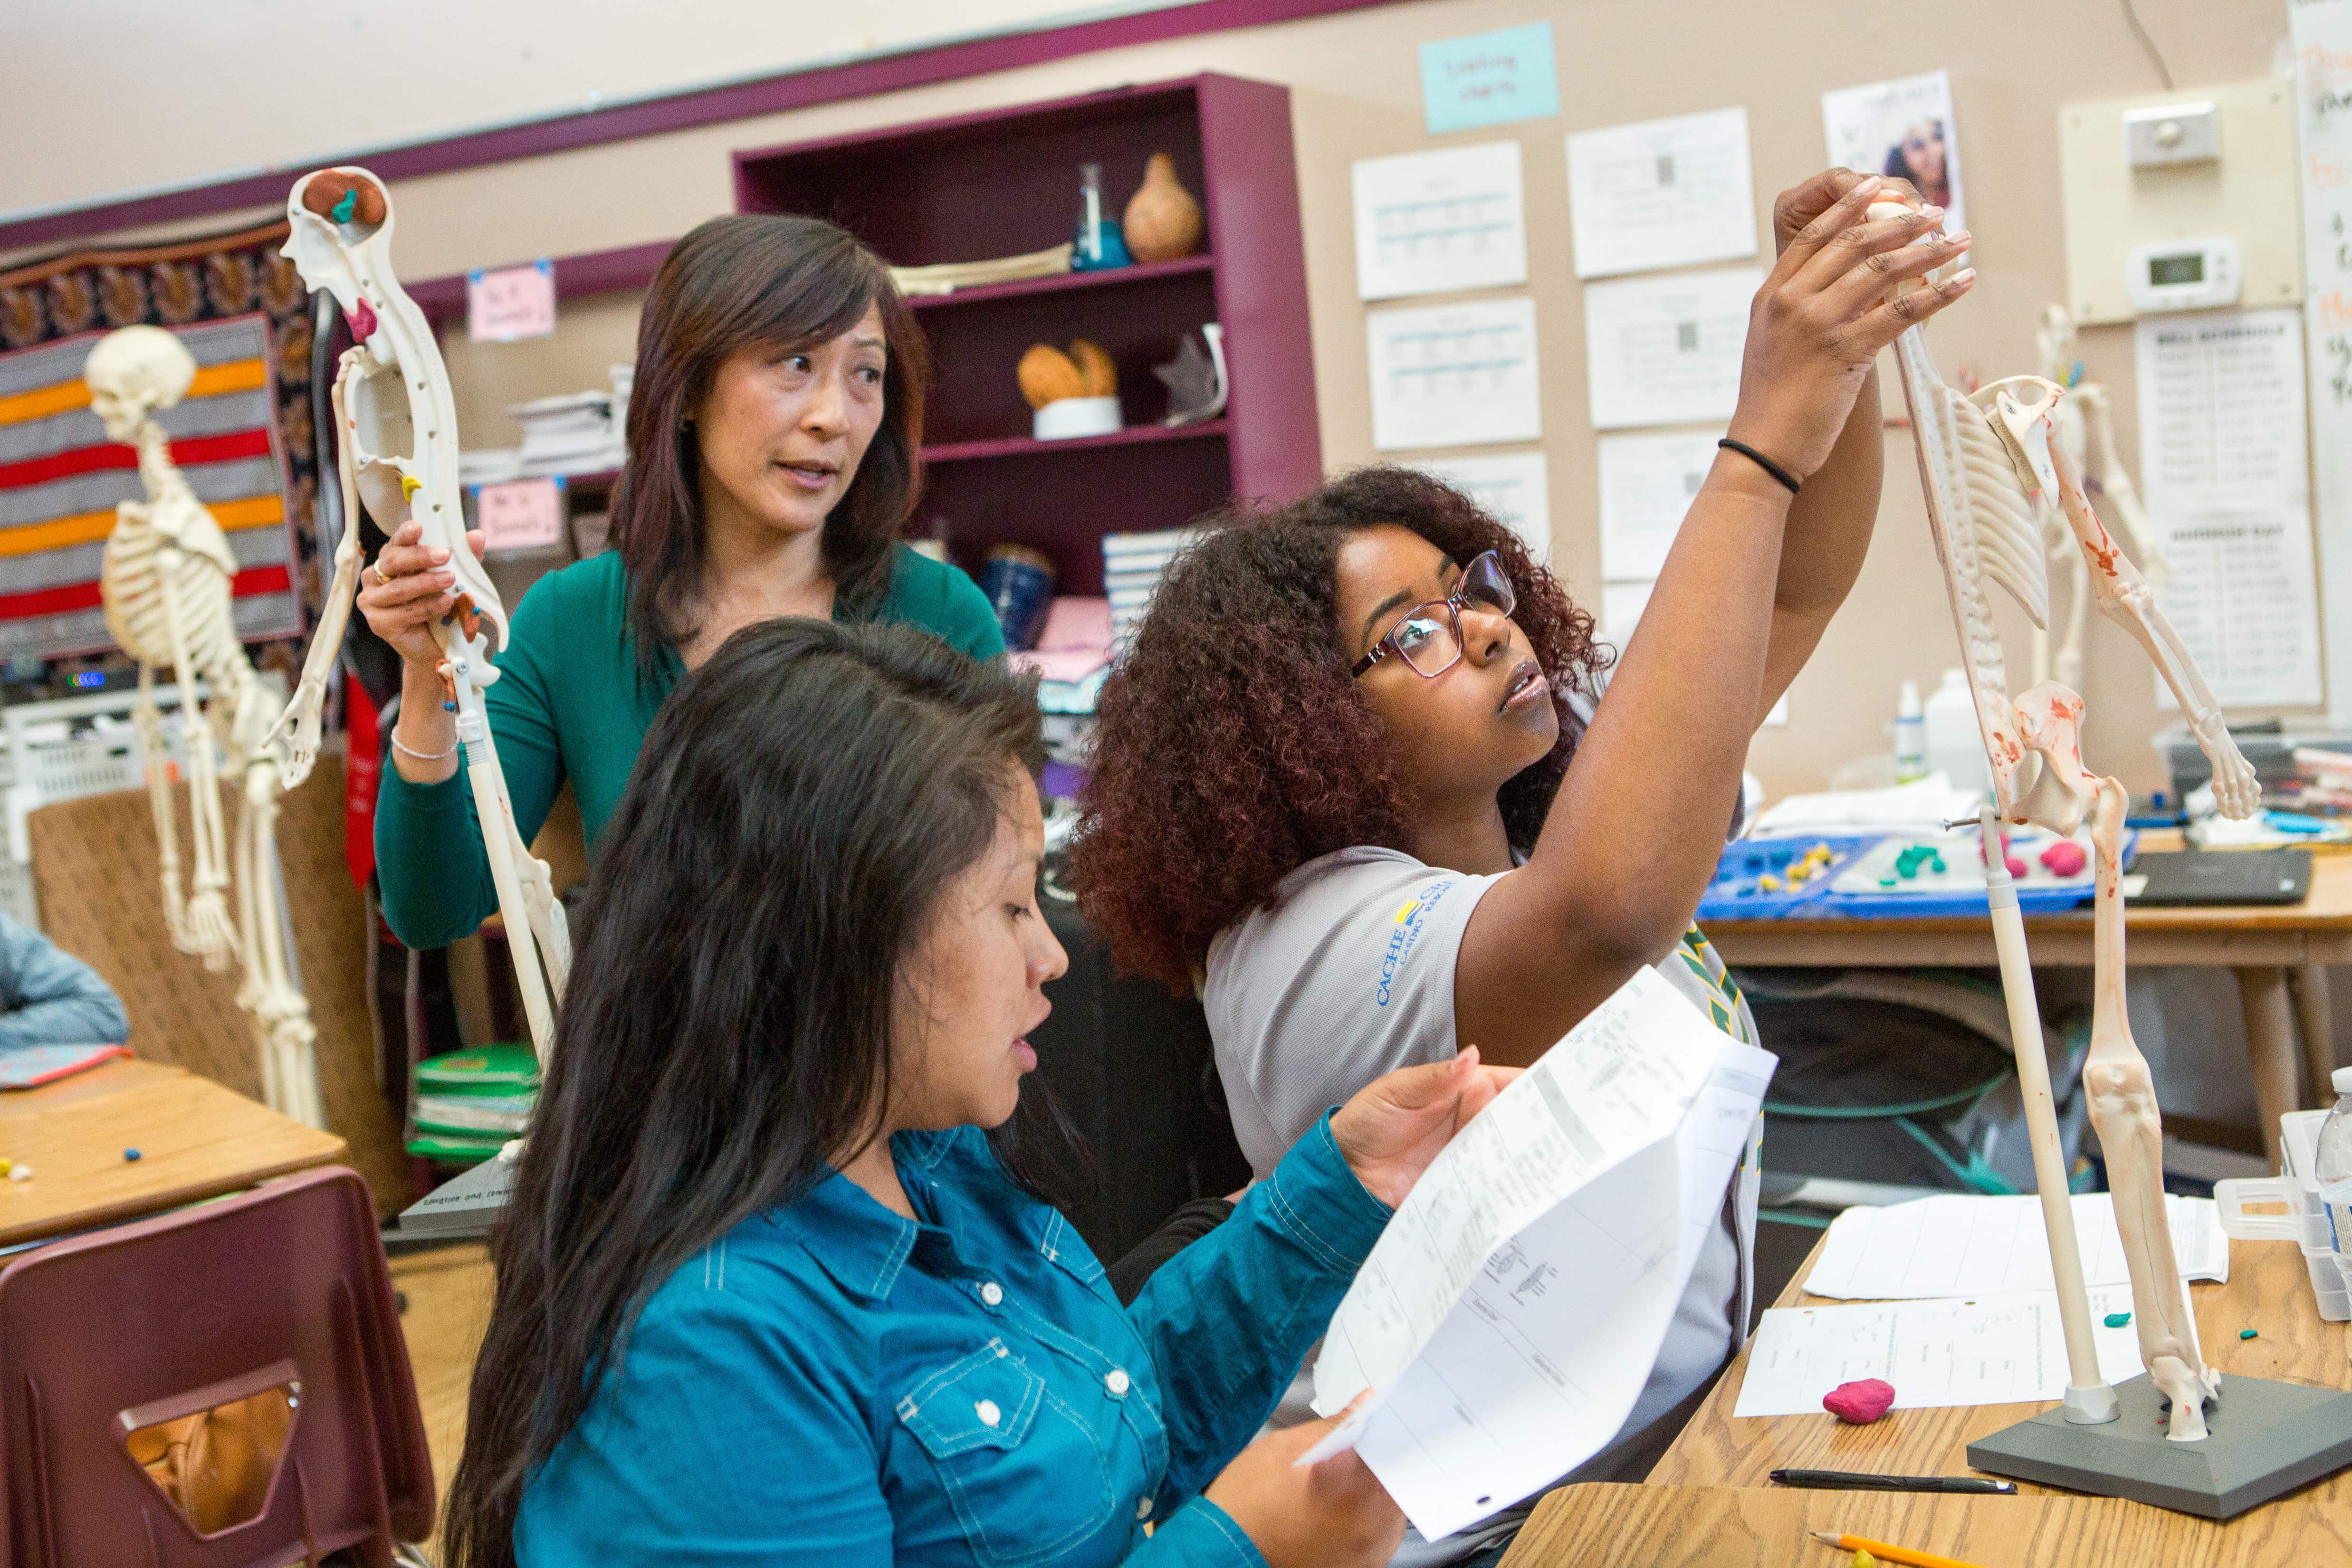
(774, 1287)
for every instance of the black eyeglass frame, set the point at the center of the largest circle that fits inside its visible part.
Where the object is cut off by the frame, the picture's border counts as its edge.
(1451, 606)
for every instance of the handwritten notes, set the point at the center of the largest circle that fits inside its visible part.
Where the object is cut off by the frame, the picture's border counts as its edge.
(525, 514)
(2322, 31)
(507, 304)
(1429, 222)
(1488, 79)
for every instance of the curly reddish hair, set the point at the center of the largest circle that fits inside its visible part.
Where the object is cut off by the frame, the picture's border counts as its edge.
(1232, 745)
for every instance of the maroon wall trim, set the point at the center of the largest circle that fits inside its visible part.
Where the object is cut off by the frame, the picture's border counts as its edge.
(588, 272)
(685, 110)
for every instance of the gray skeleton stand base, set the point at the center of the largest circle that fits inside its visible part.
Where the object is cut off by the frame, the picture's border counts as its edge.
(1999, 478)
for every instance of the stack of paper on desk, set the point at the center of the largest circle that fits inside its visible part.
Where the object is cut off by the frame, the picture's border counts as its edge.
(1511, 1312)
(1962, 1246)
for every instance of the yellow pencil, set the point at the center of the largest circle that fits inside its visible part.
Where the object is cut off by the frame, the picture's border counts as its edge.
(1887, 1553)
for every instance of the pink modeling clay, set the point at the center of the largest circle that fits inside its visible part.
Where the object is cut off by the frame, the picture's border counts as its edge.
(2065, 858)
(2016, 866)
(1860, 1403)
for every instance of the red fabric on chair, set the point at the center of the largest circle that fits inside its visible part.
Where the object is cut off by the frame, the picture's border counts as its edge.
(151, 1321)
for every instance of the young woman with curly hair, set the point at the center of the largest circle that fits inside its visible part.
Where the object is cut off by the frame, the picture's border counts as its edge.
(1354, 779)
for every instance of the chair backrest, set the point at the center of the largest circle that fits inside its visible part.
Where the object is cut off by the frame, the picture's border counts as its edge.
(281, 1288)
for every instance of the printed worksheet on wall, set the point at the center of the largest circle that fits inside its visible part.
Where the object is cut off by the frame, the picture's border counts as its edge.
(1665, 350)
(1647, 485)
(1663, 193)
(1514, 487)
(1454, 375)
(1430, 222)
(1510, 1314)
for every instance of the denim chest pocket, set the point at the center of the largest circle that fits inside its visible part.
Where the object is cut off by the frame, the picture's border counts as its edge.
(1027, 1474)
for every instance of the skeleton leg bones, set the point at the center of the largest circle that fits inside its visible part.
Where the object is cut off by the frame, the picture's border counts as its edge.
(208, 922)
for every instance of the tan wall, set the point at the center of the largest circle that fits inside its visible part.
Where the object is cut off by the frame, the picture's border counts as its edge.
(1357, 93)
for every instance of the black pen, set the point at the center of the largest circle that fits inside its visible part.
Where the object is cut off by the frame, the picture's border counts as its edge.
(1855, 1481)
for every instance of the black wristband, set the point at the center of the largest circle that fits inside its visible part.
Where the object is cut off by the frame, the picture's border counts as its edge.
(1761, 462)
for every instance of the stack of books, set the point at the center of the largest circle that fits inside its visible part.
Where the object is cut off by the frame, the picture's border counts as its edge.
(1070, 660)
(575, 434)
(470, 1103)
(1132, 565)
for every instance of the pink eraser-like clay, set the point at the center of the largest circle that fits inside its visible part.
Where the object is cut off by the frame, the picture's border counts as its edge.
(2065, 858)
(1860, 1403)
(2016, 865)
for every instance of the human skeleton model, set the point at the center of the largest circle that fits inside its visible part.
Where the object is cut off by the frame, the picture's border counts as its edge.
(2087, 430)
(397, 428)
(1991, 468)
(166, 587)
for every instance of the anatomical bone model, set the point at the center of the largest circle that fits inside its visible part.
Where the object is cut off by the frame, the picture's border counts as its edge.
(397, 426)
(2086, 429)
(1992, 469)
(166, 587)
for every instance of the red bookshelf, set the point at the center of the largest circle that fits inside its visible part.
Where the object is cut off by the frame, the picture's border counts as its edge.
(1004, 183)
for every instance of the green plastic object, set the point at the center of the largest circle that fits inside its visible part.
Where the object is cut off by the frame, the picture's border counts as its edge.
(2247, 1334)
(2117, 1320)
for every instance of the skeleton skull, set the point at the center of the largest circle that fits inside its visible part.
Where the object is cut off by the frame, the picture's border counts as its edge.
(132, 373)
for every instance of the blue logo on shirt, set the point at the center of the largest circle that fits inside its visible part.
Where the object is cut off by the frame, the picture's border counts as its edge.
(1406, 935)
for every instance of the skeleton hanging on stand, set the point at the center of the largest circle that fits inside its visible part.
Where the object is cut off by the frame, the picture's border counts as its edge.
(2086, 429)
(396, 424)
(165, 586)
(1993, 465)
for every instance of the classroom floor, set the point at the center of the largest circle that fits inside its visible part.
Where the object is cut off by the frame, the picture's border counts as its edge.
(448, 1291)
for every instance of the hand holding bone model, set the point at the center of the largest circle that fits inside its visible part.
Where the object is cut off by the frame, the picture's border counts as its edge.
(164, 584)
(1991, 468)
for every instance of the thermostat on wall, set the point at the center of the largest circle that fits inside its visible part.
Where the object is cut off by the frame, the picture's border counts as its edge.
(2183, 274)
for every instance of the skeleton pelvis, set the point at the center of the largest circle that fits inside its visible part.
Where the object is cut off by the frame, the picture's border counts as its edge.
(2052, 789)
(386, 430)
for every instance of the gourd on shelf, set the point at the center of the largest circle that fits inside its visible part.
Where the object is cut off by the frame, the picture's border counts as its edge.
(1163, 221)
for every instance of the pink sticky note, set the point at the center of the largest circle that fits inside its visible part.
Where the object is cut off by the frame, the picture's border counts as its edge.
(510, 302)
(522, 514)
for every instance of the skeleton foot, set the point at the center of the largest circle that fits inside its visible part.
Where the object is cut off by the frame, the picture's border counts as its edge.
(2188, 1392)
(212, 935)
(2237, 790)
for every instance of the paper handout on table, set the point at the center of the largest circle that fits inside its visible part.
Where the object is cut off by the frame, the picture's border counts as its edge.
(1962, 1245)
(1510, 1314)
(1983, 1349)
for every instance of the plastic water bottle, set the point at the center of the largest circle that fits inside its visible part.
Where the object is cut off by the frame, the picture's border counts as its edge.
(2333, 1169)
(1955, 744)
(1910, 736)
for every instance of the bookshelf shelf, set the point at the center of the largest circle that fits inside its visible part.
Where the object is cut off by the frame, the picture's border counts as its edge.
(1141, 272)
(1022, 446)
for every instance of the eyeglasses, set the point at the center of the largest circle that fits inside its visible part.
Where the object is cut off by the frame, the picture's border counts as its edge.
(1429, 638)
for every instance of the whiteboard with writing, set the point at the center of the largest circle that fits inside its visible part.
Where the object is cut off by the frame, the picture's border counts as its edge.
(2323, 84)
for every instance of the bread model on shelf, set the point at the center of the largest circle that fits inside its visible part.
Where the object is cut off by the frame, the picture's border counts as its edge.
(1073, 394)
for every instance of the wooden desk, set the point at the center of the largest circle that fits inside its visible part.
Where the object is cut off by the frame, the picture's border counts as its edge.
(2269, 1290)
(195, 1140)
(2278, 952)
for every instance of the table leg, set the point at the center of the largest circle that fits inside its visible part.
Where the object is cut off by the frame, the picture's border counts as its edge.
(2270, 1048)
(2309, 984)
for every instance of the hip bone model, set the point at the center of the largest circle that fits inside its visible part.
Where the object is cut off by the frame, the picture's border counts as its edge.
(1993, 469)
(396, 427)
(166, 587)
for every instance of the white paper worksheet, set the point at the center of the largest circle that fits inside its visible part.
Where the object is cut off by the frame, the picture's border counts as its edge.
(2222, 467)
(1454, 375)
(1514, 487)
(1664, 193)
(1665, 350)
(1510, 1314)
(1430, 222)
(1983, 1349)
(1961, 1244)
(1647, 484)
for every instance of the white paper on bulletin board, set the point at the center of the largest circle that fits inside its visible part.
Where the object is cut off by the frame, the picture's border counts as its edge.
(2222, 441)
(1621, 605)
(2323, 86)
(1454, 375)
(1647, 483)
(1664, 193)
(1514, 487)
(1430, 222)
(1665, 350)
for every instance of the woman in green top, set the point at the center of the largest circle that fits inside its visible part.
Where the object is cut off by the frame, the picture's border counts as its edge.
(773, 440)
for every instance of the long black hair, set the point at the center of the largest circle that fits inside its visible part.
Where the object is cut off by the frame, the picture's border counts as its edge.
(798, 807)
(745, 280)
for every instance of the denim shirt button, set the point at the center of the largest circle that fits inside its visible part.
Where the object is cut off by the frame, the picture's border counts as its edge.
(992, 1293)
(1118, 1382)
(988, 1413)
(1143, 1508)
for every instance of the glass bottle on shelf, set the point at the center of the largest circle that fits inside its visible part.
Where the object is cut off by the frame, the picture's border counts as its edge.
(1098, 245)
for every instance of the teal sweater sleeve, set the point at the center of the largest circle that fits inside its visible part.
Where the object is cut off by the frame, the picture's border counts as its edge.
(944, 600)
(428, 841)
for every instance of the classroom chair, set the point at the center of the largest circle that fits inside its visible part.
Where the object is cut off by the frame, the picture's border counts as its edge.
(273, 1311)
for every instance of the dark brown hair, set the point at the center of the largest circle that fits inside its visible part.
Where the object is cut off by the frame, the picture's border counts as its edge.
(1232, 745)
(746, 280)
(799, 806)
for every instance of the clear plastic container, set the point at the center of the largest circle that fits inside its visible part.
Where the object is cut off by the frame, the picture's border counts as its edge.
(2333, 1168)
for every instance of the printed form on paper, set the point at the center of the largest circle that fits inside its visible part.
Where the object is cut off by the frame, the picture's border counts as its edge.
(1510, 1314)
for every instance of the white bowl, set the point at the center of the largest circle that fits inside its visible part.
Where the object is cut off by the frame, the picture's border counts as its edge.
(1069, 417)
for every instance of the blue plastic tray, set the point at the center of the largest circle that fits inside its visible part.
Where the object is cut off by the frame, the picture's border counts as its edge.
(1735, 896)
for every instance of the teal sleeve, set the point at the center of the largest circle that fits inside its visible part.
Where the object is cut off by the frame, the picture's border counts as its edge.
(1261, 1288)
(428, 841)
(967, 620)
(1198, 1535)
